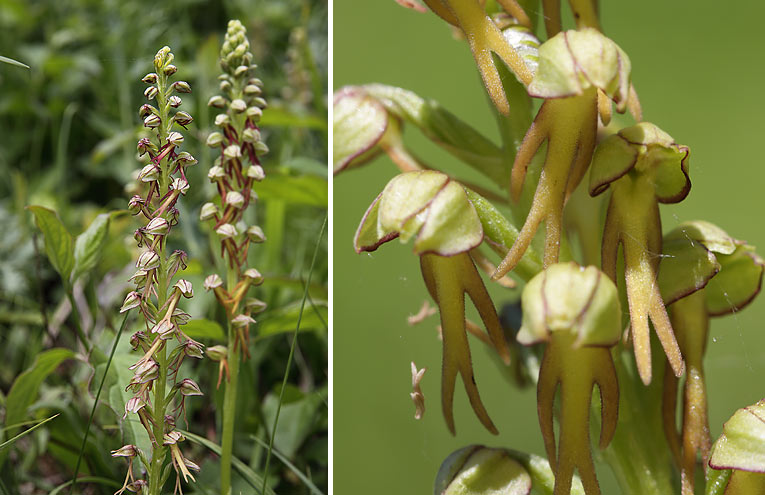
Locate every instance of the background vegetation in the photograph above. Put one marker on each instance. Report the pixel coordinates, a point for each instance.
(68, 131)
(698, 79)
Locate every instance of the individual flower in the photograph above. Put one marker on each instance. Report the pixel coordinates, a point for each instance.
(568, 78)
(705, 273)
(575, 311)
(643, 166)
(435, 211)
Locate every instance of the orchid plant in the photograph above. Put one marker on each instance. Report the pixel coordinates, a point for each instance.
(586, 315)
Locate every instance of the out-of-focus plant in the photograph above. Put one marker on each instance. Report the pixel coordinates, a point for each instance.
(577, 336)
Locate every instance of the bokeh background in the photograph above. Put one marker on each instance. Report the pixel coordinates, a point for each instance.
(698, 69)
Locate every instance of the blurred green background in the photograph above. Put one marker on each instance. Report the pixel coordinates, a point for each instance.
(698, 69)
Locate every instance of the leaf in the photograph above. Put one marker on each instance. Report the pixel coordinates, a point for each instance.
(302, 477)
(13, 62)
(85, 479)
(297, 419)
(253, 478)
(8, 443)
(203, 329)
(302, 190)
(281, 117)
(285, 319)
(59, 245)
(89, 245)
(24, 390)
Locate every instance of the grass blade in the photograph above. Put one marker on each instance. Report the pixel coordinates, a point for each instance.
(307, 482)
(292, 352)
(13, 62)
(8, 443)
(250, 476)
(95, 404)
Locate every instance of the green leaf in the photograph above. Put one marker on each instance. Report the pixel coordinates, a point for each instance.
(89, 245)
(281, 117)
(59, 245)
(253, 478)
(86, 479)
(24, 390)
(300, 190)
(13, 62)
(297, 418)
(8, 443)
(302, 477)
(203, 329)
(285, 319)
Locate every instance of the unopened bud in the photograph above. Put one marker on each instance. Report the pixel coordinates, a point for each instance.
(256, 172)
(254, 113)
(209, 211)
(151, 121)
(217, 352)
(186, 159)
(172, 438)
(260, 148)
(132, 300)
(238, 105)
(235, 199)
(193, 349)
(151, 92)
(146, 110)
(217, 101)
(255, 277)
(150, 78)
(182, 87)
(226, 231)
(175, 138)
(225, 86)
(251, 90)
(216, 173)
(170, 70)
(133, 405)
(157, 226)
(251, 135)
(222, 119)
(175, 101)
(259, 102)
(214, 139)
(183, 118)
(213, 282)
(135, 204)
(148, 260)
(255, 234)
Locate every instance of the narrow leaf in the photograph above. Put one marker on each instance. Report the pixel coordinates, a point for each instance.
(8, 443)
(59, 245)
(89, 245)
(302, 477)
(86, 479)
(13, 62)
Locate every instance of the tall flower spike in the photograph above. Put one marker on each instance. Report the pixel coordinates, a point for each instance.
(573, 66)
(643, 167)
(485, 39)
(705, 273)
(435, 210)
(575, 310)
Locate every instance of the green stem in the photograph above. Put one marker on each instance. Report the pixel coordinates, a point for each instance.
(77, 319)
(229, 398)
(158, 451)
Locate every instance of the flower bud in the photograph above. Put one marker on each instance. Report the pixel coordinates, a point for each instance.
(146, 110)
(213, 282)
(151, 92)
(150, 78)
(188, 387)
(132, 300)
(180, 184)
(148, 260)
(152, 121)
(181, 87)
(133, 405)
(176, 261)
(238, 105)
(217, 352)
(235, 199)
(185, 287)
(239, 51)
(251, 90)
(209, 211)
(217, 101)
(256, 172)
(175, 101)
(186, 159)
(135, 204)
(259, 102)
(241, 321)
(255, 82)
(232, 151)
(149, 173)
(144, 145)
(183, 118)
(260, 148)
(222, 119)
(139, 339)
(226, 231)
(254, 276)
(250, 135)
(254, 306)
(225, 86)
(569, 298)
(214, 139)
(255, 234)
(468, 471)
(175, 138)
(169, 70)
(125, 451)
(157, 226)
(254, 113)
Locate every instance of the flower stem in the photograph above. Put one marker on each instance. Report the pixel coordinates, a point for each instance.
(229, 400)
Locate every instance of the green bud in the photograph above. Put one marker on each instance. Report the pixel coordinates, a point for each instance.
(222, 119)
(217, 101)
(208, 212)
(214, 139)
(226, 231)
(232, 151)
(148, 260)
(256, 172)
(569, 298)
(151, 92)
(181, 87)
(189, 387)
(183, 118)
(261, 148)
(149, 173)
(157, 226)
(254, 113)
(150, 78)
(235, 199)
(175, 101)
(169, 70)
(175, 138)
(742, 443)
(252, 90)
(259, 102)
(250, 135)
(152, 121)
(255, 234)
(238, 105)
(216, 173)
(479, 470)
(241, 321)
